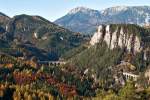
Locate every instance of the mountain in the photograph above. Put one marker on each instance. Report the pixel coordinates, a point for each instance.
(80, 19)
(86, 20)
(38, 33)
(113, 50)
(3, 20)
(113, 44)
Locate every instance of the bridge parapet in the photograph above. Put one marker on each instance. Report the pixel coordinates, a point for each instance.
(52, 63)
(130, 76)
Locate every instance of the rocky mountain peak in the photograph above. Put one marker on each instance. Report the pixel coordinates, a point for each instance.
(79, 9)
(114, 10)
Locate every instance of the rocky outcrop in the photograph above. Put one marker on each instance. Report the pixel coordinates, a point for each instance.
(117, 35)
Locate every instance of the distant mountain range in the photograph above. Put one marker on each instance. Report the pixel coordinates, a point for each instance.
(86, 20)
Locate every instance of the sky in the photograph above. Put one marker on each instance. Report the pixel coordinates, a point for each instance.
(54, 9)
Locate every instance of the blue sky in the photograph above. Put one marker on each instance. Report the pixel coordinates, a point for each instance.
(53, 9)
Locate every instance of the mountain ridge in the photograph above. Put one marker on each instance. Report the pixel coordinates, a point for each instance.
(37, 31)
(85, 20)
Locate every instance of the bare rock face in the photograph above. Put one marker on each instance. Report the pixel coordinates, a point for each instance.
(115, 36)
(97, 36)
